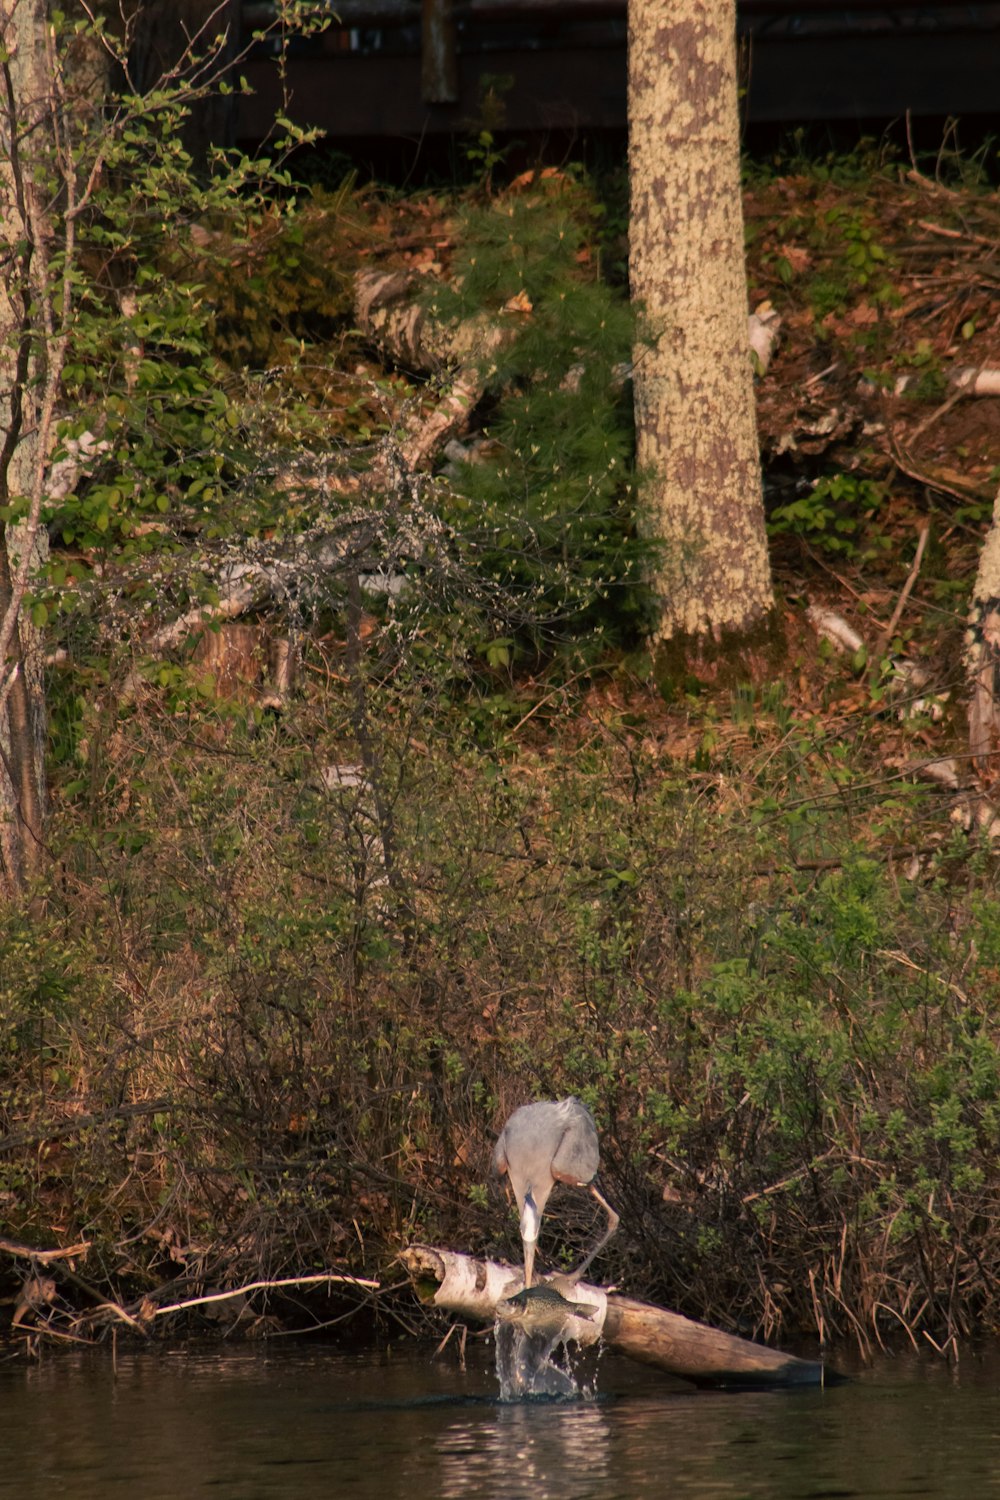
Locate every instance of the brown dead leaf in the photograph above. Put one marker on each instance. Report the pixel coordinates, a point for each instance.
(797, 256)
(147, 1311)
(520, 302)
(862, 316)
(37, 1292)
(529, 178)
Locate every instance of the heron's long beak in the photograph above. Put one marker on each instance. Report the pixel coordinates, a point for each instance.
(530, 1220)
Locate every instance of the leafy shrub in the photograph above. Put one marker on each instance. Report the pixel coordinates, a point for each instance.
(550, 509)
(833, 516)
(283, 281)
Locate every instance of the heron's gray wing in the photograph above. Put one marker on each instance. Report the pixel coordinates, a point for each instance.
(500, 1153)
(577, 1157)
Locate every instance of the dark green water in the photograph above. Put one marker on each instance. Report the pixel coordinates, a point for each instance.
(306, 1421)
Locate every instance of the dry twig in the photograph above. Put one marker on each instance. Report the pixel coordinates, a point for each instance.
(887, 634)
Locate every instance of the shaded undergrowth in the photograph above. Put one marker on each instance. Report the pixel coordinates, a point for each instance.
(242, 1043)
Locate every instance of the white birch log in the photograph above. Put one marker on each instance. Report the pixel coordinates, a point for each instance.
(471, 1288)
(834, 628)
(970, 380)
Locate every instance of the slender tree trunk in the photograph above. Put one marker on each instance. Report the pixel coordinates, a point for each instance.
(26, 104)
(695, 416)
(982, 658)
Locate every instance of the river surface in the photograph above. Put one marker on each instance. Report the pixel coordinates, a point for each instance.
(306, 1420)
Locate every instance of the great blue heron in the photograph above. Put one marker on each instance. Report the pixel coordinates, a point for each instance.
(540, 1145)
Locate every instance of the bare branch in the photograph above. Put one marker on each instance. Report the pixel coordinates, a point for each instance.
(327, 1278)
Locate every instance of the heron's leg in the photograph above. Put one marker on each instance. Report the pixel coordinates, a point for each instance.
(529, 1261)
(531, 1221)
(613, 1222)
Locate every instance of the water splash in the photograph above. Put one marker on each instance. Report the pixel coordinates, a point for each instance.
(528, 1365)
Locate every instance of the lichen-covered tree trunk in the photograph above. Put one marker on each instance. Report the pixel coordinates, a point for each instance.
(696, 424)
(26, 104)
(982, 657)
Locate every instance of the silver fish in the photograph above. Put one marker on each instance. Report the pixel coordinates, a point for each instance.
(541, 1311)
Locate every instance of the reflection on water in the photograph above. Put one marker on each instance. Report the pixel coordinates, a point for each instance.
(558, 1450)
(303, 1422)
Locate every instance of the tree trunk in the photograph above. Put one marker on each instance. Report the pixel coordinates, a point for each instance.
(982, 658)
(696, 424)
(26, 103)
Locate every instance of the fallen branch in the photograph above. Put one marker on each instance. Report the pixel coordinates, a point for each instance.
(264, 1286)
(423, 439)
(44, 1135)
(461, 356)
(388, 311)
(37, 1293)
(836, 862)
(40, 1292)
(678, 1345)
(903, 676)
(283, 571)
(247, 586)
(956, 234)
(109, 1309)
(44, 1257)
(779, 1187)
(982, 656)
(933, 475)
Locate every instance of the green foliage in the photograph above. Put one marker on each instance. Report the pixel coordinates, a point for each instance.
(931, 383)
(834, 517)
(864, 258)
(281, 282)
(799, 156)
(845, 257)
(157, 444)
(482, 151)
(552, 516)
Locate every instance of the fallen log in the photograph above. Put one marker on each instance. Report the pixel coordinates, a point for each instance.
(389, 312)
(964, 380)
(705, 1356)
